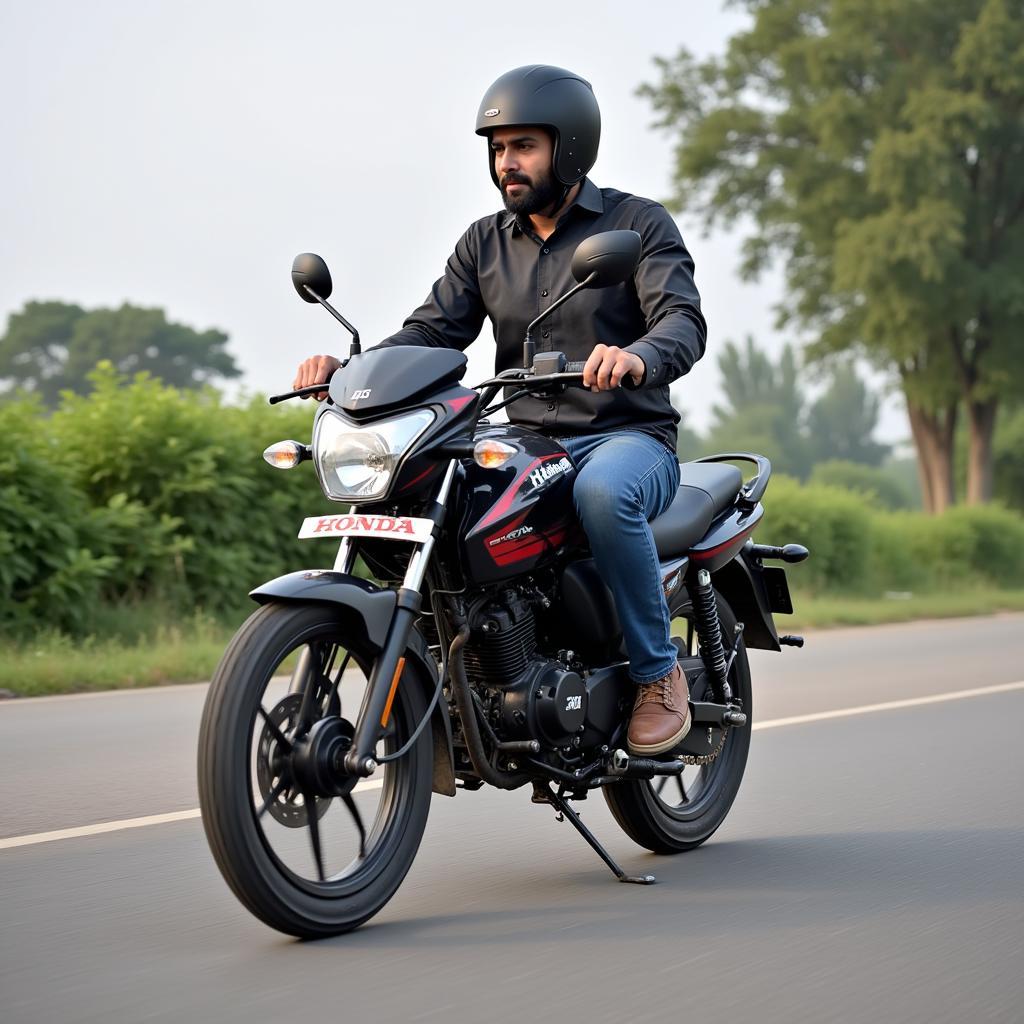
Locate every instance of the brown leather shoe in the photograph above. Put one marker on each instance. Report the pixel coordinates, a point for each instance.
(661, 715)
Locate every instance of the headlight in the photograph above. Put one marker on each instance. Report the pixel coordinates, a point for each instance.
(358, 463)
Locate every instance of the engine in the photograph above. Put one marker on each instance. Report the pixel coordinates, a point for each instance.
(530, 696)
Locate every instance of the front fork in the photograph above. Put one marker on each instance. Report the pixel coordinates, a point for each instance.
(387, 670)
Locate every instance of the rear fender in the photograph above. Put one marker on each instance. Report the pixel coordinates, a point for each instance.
(369, 609)
(741, 583)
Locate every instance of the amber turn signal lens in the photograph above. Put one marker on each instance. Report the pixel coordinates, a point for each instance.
(284, 454)
(492, 454)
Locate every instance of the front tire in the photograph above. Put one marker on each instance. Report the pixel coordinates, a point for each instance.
(242, 759)
(648, 811)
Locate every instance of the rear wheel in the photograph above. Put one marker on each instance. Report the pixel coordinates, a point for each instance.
(673, 814)
(307, 850)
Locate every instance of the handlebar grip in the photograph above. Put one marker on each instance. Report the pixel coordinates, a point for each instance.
(627, 381)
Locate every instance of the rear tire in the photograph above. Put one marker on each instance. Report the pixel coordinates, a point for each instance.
(641, 807)
(278, 894)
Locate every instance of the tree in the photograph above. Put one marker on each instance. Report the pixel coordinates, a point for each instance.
(763, 409)
(841, 422)
(35, 348)
(875, 146)
(50, 346)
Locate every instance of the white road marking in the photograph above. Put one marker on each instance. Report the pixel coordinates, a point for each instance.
(890, 705)
(773, 723)
(118, 826)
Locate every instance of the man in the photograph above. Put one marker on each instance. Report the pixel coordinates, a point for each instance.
(543, 125)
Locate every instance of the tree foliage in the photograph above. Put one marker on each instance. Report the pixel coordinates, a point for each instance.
(52, 346)
(766, 410)
(876, 147)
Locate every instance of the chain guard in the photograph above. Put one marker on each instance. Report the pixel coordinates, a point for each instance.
(288, 807)
(703, 743)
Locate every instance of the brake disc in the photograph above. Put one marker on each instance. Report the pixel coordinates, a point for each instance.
(272, 766)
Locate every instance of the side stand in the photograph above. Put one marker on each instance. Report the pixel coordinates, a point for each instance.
(561, 804)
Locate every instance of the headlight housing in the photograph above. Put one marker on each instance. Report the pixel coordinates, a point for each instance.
(359, 463)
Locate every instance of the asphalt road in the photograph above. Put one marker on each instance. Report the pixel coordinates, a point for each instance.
(872, 868)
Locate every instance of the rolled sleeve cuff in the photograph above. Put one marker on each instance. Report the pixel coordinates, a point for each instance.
(654, 373)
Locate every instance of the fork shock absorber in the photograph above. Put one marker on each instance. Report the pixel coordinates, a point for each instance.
(709, 633)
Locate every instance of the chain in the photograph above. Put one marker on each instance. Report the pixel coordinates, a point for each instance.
(705, 759)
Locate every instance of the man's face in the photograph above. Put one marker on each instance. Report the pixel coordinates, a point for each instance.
(522, 162)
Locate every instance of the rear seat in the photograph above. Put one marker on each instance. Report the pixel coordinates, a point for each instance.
(706, 489)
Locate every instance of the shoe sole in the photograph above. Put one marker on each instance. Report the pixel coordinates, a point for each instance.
(660, 748)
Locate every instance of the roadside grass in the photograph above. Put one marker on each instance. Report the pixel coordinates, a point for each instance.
(145, 647)
(819, 611)
(52, 663)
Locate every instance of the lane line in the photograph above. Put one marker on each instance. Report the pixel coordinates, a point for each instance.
(118, 826)
(773, 723)
(890, 705)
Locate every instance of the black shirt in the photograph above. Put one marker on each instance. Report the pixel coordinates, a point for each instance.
(504, 271)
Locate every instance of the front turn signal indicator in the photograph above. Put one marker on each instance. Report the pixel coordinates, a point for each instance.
(492, 454)
(285, 454)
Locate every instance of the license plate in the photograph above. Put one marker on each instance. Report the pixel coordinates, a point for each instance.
(377, 527)
(777, 587)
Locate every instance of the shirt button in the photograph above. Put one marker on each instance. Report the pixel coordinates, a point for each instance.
(544, 292)
(551, 407)
(545, 251)
(546, 334)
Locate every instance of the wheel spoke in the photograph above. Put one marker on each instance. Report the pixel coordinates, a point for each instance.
(285, 743)
(660, 784)
(281, 786)
(310, 689)
(332, 696)
(358, 819)
(309, 800)
(682, 788)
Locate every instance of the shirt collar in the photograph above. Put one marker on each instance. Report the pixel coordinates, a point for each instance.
(588, 198)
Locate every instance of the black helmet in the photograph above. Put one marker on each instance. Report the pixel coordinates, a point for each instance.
(551, 98)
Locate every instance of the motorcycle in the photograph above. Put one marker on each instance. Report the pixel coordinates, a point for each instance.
(488, 652)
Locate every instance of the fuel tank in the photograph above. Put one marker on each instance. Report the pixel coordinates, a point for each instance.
(520, 516)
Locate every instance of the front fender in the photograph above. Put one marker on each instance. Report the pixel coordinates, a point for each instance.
(374, 608)
(374, 605)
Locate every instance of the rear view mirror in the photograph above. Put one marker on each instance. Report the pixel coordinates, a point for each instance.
(606, 259)
(309, 269)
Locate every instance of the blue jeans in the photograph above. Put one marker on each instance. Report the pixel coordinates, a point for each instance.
(624, 480)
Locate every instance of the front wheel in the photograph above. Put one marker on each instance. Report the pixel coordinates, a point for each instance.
(306, 850)
(672, 814)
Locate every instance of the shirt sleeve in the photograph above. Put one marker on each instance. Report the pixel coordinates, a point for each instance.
(453, 313)
(676, 330)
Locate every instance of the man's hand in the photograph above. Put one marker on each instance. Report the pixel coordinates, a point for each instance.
(608, 364)
(315, 370)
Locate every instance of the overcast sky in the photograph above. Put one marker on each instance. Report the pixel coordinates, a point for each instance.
(179, 154)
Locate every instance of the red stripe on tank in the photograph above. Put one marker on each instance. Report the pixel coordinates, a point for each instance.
(506, 501)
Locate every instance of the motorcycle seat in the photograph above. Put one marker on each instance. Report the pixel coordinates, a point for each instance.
(706, 489)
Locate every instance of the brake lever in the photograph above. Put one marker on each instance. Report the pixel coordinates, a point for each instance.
(311, 389)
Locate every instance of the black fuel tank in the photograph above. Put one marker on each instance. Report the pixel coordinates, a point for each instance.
(521, 516)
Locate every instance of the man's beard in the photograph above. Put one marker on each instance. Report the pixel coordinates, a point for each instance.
(538, 195)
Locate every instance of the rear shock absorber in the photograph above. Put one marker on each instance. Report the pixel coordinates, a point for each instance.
(709, 633)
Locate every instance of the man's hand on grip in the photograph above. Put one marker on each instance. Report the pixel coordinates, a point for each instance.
(608, 364)
(315, 370)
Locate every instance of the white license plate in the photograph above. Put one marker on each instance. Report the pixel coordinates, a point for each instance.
(377, 527)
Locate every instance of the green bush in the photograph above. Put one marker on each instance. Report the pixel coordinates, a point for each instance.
(139, 500)
(859, 547)
(834, 524)
(871, 481)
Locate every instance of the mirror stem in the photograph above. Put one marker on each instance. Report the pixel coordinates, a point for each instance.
(355, 348)
(528, 346)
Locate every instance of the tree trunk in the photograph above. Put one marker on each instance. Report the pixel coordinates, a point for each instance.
(981, 425)
(933, 440)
